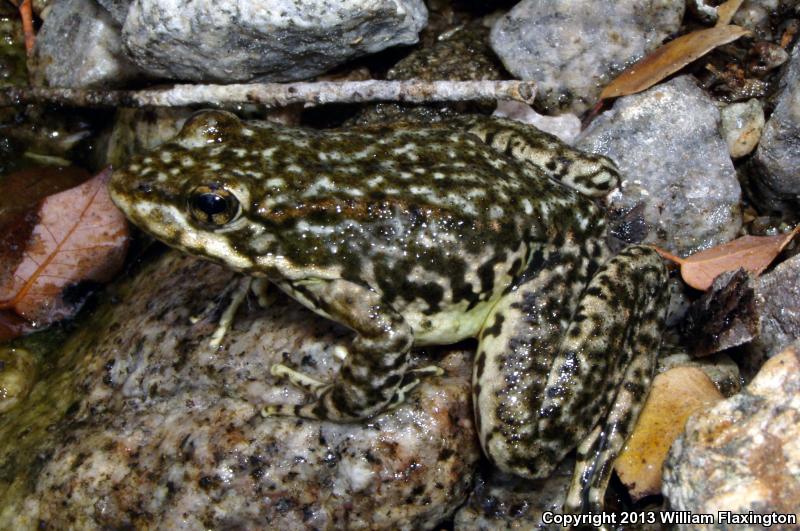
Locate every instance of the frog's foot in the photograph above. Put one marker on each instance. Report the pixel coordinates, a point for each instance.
(298, 379)
(410, 382)
(319, 389)
(598, 451)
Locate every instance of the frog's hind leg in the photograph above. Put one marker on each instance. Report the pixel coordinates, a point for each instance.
(547, 372)
(612, 344)
(517, 347)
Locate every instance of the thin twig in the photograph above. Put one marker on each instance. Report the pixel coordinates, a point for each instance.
(278, 94)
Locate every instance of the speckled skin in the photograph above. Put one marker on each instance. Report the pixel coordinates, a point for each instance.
(418, 235)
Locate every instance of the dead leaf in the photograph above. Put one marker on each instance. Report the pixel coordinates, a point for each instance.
(674, 396)
(12, 325)
(726, 11)
(78, 235)
(669, 58)
(23, 190)
(753, 253)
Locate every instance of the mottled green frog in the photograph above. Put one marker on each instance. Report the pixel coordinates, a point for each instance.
(415, 235)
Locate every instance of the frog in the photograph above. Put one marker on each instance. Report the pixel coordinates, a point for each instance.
(412, 235)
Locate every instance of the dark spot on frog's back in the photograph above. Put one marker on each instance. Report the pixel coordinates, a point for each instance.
(496, 327)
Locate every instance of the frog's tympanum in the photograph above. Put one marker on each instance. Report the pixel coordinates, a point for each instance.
(415, 235)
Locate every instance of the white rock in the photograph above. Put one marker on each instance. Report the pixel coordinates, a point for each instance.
(742, 124)
(275, 40)
(572, 48)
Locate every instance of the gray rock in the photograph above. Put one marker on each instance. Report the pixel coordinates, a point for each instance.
(275, 40)
(117, 8)
(743, 454)
(776, 166)
(78, 46)
(778, 300)
(755, 15)
(573, 48)
(742, 124)
(675, 165)
(140, 423)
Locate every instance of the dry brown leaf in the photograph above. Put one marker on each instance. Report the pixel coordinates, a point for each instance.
(669, 58)
(753, 253)
(675, 395)
(726, 11)
(79, 235)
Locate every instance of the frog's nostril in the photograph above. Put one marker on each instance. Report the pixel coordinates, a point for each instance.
(144, 188)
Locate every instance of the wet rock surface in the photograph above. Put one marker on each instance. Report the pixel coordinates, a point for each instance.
(762, 312)
(776, 167)
(502, 501)
(572, 49)
(744, 453)
(273, 41)
(79, 46)
(142, 424)
(675, 165)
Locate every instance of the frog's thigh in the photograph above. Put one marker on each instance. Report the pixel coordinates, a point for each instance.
(517, 345)
(610, 350)
(373, 370)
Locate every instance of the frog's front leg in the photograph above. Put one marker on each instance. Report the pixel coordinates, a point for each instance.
(372, 371)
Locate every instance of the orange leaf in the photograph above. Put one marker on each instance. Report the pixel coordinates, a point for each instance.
(79, 235)
(674, 396)
(669, 58)
(753, 253)
(26, 13)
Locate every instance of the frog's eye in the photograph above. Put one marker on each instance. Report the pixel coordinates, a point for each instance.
(213, 205)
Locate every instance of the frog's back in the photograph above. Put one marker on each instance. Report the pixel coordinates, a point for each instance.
(430, 216)
(397, 196)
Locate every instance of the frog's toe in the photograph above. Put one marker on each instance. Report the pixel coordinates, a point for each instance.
(410, 381)
(298, 379)
(428, 370)
(264, 292)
